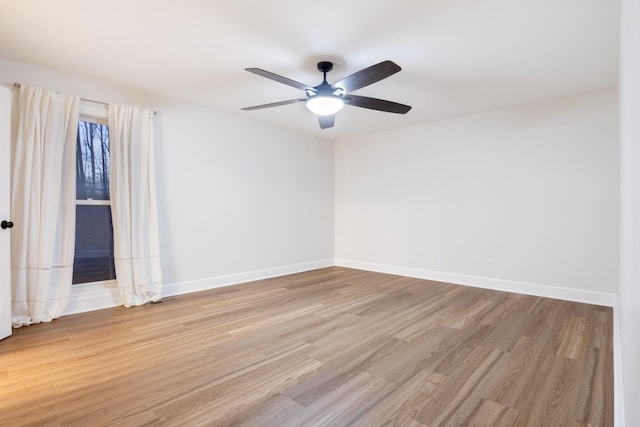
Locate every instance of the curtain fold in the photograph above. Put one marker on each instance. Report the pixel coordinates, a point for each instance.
(133, 205)
(43, 204)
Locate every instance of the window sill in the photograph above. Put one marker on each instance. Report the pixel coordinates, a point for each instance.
(110, 284)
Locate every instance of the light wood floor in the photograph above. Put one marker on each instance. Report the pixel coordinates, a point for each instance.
(331, 347)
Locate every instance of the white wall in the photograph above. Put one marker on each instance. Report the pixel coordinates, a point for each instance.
(629, 292)
(238, 200)
(519, 199)
(241, 196)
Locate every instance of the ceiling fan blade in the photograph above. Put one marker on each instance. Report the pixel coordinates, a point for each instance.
(326, 121)
(376, 104)
(278, 78)
(274, 104)
(368, 76)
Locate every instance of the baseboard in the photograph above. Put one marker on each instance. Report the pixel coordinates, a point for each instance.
(103, 295)
(186, 287)
(618, 390)
(97, 296)
(536, 289)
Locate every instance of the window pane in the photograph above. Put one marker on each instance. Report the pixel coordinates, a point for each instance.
(92, 161)
(94, 244)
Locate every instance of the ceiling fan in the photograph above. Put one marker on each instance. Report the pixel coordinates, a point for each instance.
(325, 100)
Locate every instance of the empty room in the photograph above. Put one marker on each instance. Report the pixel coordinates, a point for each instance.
(320, 213)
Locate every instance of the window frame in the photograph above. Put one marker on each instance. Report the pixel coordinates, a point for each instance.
(94, 112)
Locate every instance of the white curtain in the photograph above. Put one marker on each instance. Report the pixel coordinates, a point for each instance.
(43, 204)
(133, 205)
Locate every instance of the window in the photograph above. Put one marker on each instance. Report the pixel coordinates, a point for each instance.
(93, 260)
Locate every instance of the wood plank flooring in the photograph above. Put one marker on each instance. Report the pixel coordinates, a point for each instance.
(330, 347)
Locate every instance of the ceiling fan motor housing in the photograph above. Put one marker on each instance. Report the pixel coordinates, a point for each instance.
(325, 66)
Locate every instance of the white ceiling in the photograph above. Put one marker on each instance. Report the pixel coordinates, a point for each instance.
(458, 56)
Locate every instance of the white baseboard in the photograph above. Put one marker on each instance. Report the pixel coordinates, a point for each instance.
(104, 295)
(97, 296)
(536, 289)
(618, 390)
(234, 279)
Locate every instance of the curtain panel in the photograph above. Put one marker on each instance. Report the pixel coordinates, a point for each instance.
(43, 204)
(133, 205)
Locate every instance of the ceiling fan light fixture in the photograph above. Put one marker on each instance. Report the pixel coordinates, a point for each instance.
(323, 105)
